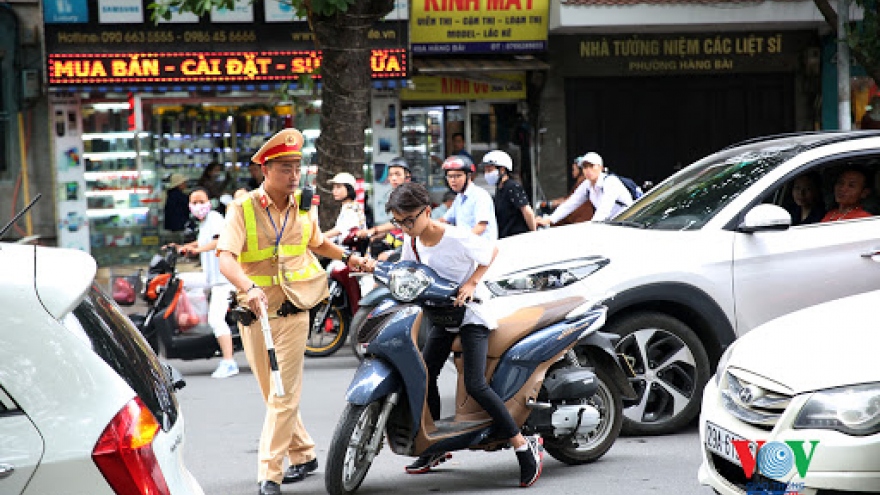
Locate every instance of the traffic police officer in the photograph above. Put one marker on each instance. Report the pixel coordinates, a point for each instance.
(264, 252)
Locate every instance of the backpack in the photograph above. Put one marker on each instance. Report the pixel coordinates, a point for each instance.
(634, 190)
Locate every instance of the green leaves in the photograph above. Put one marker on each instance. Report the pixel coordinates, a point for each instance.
(328, 8)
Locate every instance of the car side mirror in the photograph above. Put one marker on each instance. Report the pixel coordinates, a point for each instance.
(765, 217)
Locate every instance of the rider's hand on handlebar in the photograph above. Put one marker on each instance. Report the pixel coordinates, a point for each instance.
(465, 293)
(361, 264)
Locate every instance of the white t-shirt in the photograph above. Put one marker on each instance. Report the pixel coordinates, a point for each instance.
(210, 228)
(608, 195)
(455, 258)
(351, 216)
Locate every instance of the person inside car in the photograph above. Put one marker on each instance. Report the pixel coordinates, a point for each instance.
(850, 190)
(806, 191)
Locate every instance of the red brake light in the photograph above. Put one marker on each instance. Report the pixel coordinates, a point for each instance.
(124, 453)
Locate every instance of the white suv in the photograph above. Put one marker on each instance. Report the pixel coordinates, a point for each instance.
(85, 406)
(702, 258)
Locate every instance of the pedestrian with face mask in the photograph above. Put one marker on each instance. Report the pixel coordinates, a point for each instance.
(512, 209)
(210, 225)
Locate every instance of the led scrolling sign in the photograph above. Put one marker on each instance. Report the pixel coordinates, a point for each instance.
(177, 67)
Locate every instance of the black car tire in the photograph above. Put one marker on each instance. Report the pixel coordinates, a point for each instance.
(673, 380)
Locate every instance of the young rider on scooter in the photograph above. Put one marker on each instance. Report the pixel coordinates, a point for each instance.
(459, 255)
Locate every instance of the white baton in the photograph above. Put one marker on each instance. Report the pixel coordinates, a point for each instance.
(270, 348)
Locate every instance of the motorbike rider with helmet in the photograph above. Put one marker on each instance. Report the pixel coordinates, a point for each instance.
(473, 207)
(512, 209)
(351, 213)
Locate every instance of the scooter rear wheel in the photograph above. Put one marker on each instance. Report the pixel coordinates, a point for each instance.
(327, 331)
(347, 460)
(582, 450)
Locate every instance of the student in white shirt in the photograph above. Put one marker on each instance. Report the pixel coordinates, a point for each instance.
(351, 214)
(211, 223)
(459, 255)
(607, 193)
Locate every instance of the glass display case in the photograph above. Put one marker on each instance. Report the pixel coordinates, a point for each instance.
(422, 136)
(189, 137)
(122, 194)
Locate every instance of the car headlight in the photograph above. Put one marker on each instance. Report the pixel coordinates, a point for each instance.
(407, 283)
(722, 363)
(853, 410)
(547, 277)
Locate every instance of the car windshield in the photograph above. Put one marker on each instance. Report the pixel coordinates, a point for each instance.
(113, 337)
(690, 198)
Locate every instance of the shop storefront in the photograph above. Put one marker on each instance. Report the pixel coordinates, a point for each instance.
(651, 104)
(471, 80)
(487, 114)
(137, 103)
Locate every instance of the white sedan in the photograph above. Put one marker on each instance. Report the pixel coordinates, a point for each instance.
(85, 406)
(795, 405)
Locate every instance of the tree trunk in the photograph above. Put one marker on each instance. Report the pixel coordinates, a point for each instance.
(345, 95)
(868, 61)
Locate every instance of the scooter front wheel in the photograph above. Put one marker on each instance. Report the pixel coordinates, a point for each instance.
(348, 459)
(327, 331)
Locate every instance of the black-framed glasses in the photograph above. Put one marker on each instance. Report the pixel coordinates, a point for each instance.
(408, 222)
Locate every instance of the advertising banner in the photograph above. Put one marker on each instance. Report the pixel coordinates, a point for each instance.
(65, 11)
(120, 12)
(174, 67)
(443, 88)
(243, 12)
(70, 198)
(443, 27)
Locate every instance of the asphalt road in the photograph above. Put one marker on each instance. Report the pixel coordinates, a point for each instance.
(224, 419)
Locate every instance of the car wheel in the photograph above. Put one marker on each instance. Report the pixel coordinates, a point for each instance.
(671, 368)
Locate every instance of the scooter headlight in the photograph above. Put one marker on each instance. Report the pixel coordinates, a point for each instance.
(547, 277)
(408, 283)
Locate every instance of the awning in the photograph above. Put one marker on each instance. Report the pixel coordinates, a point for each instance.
(478, 69)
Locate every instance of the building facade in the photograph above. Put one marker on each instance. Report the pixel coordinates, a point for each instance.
(653, 86)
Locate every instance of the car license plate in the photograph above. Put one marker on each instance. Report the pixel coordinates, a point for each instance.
(720, 441)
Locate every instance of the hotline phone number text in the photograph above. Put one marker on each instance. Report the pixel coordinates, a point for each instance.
(219, 36)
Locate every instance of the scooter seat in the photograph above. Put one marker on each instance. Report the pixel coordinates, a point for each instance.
(524, 321)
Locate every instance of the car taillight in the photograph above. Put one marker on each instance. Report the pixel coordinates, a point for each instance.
(124, 453)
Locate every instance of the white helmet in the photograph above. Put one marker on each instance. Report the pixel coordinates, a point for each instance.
(498, 158)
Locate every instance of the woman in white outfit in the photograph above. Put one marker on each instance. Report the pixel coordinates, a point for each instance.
(211, 223)
(351, 214)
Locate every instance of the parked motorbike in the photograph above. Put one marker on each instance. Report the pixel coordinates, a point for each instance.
(530, 363)
(330, 320)
(171, 335)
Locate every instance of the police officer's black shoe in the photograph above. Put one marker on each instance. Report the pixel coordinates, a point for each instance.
(298, 472)
(269, 488)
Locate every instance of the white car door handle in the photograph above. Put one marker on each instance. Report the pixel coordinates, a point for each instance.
(6, 470)
(871, 253)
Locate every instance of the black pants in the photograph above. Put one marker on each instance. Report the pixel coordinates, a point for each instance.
(475, 344)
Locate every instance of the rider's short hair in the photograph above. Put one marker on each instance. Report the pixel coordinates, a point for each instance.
(408, 197)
